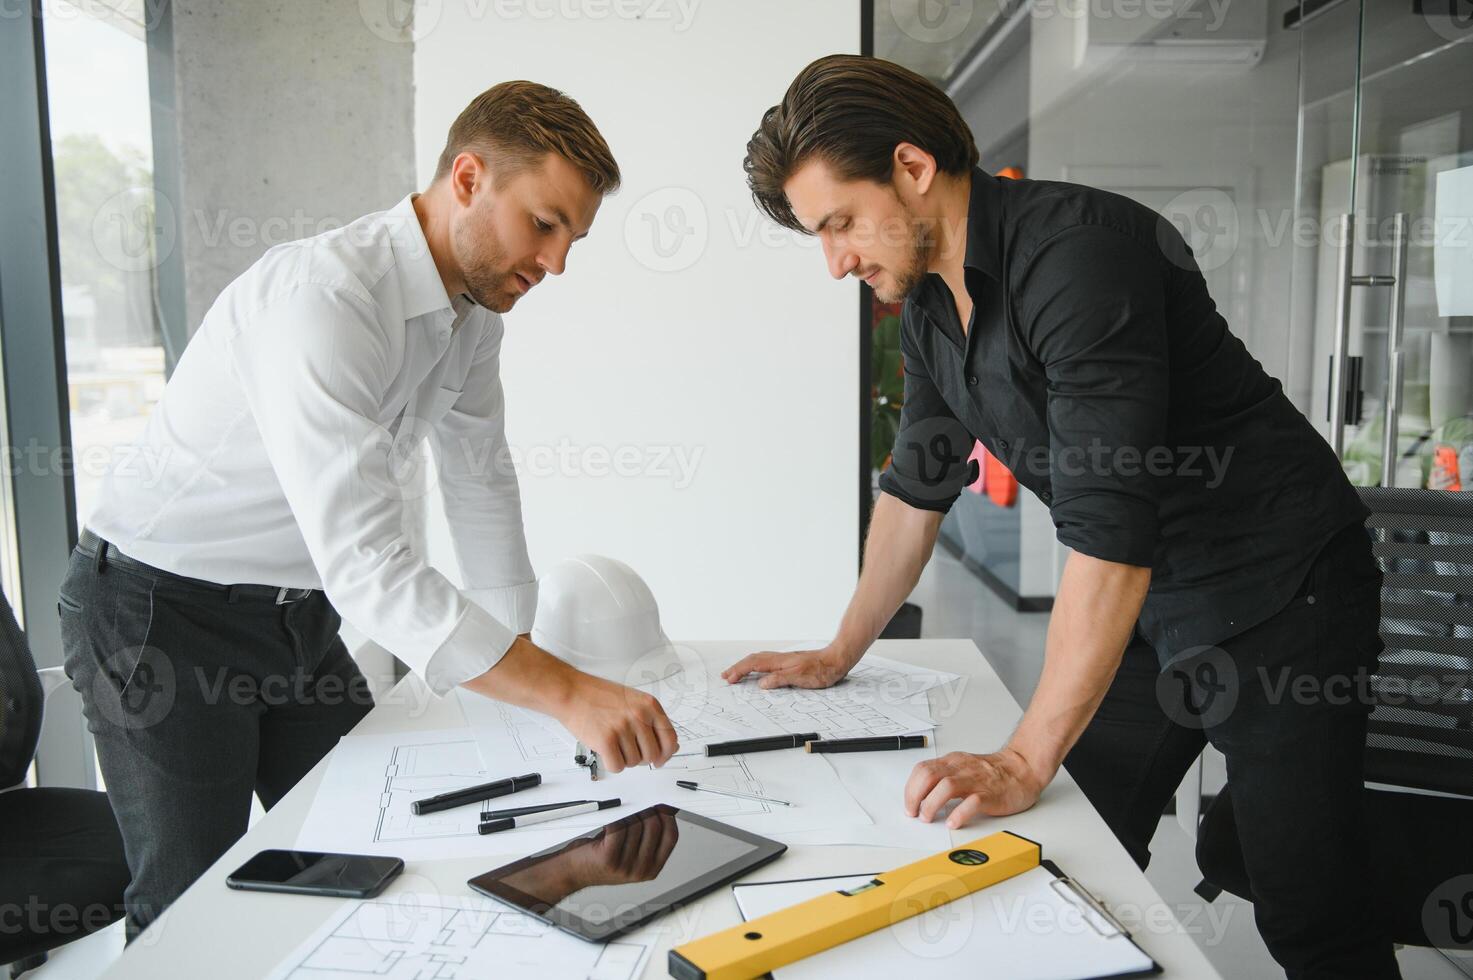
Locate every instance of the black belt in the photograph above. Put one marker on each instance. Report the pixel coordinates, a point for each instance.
(103, 552)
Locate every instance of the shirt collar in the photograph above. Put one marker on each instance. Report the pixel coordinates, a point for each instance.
(984, 229)
(419, 280)
(984, 224)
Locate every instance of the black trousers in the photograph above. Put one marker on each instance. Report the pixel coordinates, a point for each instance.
(1284, 701)
(198, 696)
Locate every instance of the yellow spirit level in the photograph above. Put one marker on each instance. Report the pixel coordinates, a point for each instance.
(753, 948)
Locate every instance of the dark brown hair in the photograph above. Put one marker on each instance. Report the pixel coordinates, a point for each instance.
(851, 112)
(516, 123)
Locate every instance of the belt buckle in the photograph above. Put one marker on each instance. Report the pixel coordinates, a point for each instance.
(285, 595)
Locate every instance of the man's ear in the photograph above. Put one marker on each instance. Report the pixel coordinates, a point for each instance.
(467, 171)
(915, 167)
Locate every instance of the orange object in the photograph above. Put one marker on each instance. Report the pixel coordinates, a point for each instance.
(1011, 173)
(1002, 486)
(1445, 460)
(993, 478)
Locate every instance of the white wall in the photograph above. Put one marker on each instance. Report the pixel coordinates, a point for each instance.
(728, 347)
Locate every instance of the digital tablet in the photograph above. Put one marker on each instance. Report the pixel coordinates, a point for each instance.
(618, 877)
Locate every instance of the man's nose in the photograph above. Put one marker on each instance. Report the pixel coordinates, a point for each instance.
(554, 259)
(841, 261)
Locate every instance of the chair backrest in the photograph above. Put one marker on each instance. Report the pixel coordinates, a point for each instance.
(1421, 729)
(21, 700)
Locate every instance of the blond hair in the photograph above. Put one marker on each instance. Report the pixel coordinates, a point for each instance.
(516, 123)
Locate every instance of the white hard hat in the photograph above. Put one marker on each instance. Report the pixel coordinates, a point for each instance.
(597, 614)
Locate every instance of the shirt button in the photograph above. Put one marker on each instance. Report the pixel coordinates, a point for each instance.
(1045, 496)
(971, 381)
(1002, 444)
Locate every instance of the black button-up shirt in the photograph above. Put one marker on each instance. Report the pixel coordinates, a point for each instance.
(1097, 368)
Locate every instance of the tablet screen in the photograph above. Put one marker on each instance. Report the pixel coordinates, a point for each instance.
(628, 871)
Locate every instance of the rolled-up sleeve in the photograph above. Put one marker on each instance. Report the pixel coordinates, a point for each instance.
(930, 461)
(1092, 310)
(313, 366)
(483, 502)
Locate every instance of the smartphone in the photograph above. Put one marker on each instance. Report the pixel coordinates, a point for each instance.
(314, 873)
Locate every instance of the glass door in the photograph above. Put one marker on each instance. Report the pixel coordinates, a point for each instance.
(1384, 235)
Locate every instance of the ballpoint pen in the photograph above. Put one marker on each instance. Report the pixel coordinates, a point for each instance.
(518, 811)
(882, 743)
(766, 743)
(511, 823)
(692, 784)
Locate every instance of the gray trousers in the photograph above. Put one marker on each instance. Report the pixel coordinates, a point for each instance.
(198, 695)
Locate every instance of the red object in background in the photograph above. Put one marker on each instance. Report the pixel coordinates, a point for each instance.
(1002, 486)
(993, 478)
(1011, 173)
(1445, 465)
(979, 456)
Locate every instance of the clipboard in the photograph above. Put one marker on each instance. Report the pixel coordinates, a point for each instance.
(1039, 925)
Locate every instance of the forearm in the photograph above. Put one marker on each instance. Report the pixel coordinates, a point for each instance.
(899, 544)
(529, 677)
(1094, 613)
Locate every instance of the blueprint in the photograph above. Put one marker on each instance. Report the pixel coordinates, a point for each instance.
(433, 937)
(879, 697)
(363, 803)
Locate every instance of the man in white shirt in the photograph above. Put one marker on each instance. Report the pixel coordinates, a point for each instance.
(200, 613)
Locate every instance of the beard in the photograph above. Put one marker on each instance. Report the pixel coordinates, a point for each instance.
(913, 271)
(482, 260)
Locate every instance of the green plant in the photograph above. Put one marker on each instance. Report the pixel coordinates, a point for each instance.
(887, 392)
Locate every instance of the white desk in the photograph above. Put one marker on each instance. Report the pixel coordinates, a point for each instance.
(215, 932)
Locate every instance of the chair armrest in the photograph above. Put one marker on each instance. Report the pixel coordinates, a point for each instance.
(51, 679)
(1189, 800)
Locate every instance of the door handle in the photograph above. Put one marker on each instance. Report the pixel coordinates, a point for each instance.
(1345, 280)
(1342, 335)
(1394, 334)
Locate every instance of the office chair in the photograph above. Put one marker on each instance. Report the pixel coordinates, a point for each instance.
(1423, 540)
(60, 848)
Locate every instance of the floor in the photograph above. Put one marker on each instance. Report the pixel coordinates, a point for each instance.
(956, 604)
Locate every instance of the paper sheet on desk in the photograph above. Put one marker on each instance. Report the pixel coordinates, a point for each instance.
(877, 780)
(877, 698)
(413, 936)
(363, 802)
(1024, 928)
(885, 679)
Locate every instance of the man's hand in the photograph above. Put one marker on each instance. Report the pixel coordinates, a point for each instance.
(624, 726)
(802, 668)
(995, 785)
(899, 544)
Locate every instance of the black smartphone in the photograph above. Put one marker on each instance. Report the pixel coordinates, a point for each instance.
(314, 873)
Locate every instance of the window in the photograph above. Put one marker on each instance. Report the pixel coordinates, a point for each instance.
(97, 80)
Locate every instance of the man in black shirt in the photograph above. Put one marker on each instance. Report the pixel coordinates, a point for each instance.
(1214, 536)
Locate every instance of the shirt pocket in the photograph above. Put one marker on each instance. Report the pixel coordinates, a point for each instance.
(418, 421)
(441, 401)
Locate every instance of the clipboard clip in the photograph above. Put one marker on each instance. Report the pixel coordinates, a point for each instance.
(1066, 885)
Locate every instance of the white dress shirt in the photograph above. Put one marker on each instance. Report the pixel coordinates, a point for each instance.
(277, 454)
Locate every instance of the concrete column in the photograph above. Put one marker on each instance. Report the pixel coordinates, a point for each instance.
(289, 118)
